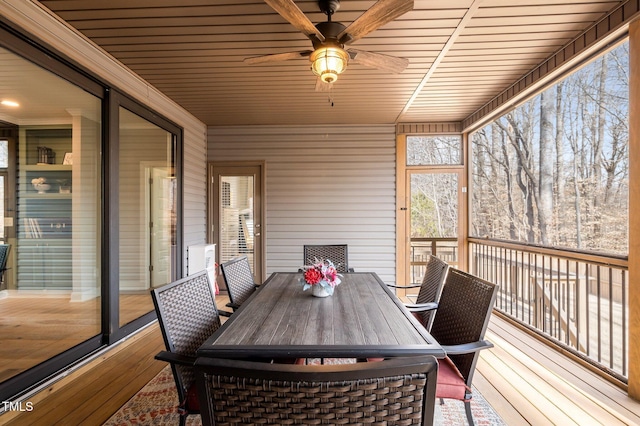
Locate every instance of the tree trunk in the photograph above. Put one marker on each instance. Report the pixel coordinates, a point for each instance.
(546, 161)
(559, 173)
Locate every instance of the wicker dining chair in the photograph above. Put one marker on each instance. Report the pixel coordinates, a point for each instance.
(336, 253)
(429, 293)
(4, 256)
(239, 280)
(398, 391)
(187, 316)
(459, 325)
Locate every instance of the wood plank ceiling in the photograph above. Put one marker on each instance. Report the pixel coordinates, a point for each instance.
(462, 53)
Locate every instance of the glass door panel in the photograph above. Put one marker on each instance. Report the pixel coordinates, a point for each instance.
(433, 220)
(237, 215)
(236, 218)
(147, 213)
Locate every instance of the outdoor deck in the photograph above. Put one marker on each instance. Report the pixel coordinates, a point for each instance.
(528, 382)
(525, 381)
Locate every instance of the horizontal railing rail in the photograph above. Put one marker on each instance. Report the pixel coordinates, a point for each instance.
(444, 248)
(578, 301)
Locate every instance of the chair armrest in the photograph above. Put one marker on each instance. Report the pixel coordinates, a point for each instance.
(467, 348)
(174, 358)
(233, 306)
(421, 307)
(414, 285)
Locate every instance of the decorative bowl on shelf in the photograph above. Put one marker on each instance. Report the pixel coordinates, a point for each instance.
(42, 188)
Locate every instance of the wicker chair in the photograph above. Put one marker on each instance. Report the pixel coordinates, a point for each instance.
(430, 289)
(337, 253)
(4, 256)
(397, 391)
(239, 279)
(459, 325)
(188, 316)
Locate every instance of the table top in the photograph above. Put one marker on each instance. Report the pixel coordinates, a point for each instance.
(363, 319)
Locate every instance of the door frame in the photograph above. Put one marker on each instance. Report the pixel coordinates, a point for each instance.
(241, 168)
(147, 172)
(403, 204)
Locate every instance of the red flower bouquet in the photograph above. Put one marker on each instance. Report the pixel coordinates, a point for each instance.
(323, 274)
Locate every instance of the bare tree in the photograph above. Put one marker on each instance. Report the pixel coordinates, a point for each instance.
(546, 163)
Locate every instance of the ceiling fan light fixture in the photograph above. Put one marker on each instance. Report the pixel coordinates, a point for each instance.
(329, 61)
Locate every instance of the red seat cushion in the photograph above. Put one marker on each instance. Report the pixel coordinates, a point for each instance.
(450, 382)
(418, 316)
(191, 403)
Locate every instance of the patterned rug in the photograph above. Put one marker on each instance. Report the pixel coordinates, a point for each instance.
(155, 404)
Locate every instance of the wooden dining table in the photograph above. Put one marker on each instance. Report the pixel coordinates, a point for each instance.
(362, 319)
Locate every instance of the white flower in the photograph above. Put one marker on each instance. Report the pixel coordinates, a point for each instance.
(38, 181)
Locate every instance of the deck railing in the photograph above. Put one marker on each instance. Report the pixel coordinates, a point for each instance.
(578, 301)
(445, 248)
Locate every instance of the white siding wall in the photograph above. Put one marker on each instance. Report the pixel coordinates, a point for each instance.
(324, 185)
(38, 21)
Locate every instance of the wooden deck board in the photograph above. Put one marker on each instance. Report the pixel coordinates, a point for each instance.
(598, 390)
(545, 386)
(502, 406)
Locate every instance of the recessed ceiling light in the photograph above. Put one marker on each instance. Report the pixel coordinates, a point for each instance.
(10, 103)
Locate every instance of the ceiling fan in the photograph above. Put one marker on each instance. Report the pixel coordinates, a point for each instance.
(329, 56)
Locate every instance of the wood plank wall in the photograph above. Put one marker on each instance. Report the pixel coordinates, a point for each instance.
(325, 184)
(602, 34)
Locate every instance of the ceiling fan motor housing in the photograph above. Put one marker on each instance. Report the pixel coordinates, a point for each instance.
(329, 57)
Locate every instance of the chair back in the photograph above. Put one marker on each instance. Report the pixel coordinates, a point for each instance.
(395, 391)
(431, 287)
(336, 253)
(239, 279)
(463, 316)
(187, 316)
(4, 255)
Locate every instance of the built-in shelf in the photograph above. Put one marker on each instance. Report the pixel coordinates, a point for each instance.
(44, 225)
(48, 195)
(46, 167)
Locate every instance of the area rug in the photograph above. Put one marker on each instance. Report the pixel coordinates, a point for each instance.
(155, 404)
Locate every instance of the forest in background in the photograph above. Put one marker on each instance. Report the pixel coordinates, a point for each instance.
(555, 170)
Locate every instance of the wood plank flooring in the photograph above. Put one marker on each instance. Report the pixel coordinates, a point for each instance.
(35, 328)
(91, 394)
(526, 382)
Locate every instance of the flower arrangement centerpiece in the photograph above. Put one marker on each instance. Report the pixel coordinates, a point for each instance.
(40, 184)
(321, 278)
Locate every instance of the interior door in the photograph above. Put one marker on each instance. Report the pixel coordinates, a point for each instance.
(236, 213)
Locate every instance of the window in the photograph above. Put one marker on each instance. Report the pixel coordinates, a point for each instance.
(434, 150)
(554, 171)
(51, 297)
(57, 306)
(147, 212)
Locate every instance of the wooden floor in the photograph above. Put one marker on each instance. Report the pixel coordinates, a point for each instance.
(528, 382)
(525, 381)
(35, 328)
(91, 394)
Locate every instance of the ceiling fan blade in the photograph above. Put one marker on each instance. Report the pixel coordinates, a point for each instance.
(382, 12)
(321, 86)
(292, 13)
(380, 61)
(277, 57)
